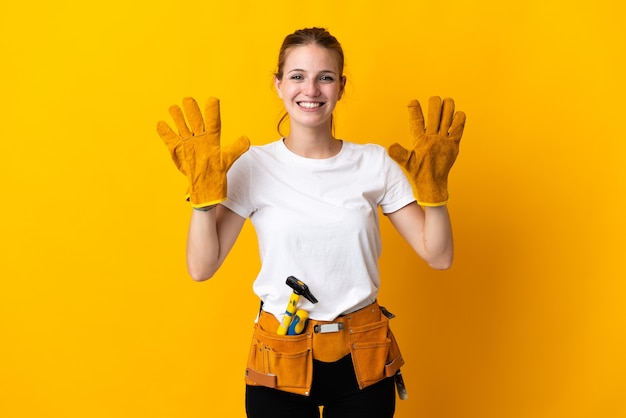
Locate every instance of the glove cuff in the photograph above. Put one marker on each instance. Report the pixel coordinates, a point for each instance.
(197, 201)
(430, 204)
(209, 194)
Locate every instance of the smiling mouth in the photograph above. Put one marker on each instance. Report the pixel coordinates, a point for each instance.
(310, 105)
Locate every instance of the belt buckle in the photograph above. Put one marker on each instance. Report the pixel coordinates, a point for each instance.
(327, 328)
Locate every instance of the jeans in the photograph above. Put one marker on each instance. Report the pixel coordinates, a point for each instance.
(335, 388)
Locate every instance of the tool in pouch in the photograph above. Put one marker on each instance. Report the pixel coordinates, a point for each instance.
(294, 321)
(400, 386)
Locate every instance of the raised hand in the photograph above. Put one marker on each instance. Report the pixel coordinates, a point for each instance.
(434, 149)
(197, 152)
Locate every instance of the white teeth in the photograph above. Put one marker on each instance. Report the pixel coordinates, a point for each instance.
(310, 105)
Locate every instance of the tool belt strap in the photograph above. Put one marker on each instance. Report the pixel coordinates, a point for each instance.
(267, 380)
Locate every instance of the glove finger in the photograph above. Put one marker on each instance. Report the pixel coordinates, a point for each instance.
(458, 125)
(399, 154)
(171, 140)
(167, 134)
(194, 116)
(416, 120)
(231, 152)
(179, 120)
(434, 115)
(447, 114)
(213, 121)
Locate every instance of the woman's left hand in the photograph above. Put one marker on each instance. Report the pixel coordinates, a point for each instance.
(434, 151)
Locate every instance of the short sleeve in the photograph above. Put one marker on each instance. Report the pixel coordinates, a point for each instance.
(398, 188)
(238, 187)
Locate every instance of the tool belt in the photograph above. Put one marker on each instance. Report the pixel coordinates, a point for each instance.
(286, 362)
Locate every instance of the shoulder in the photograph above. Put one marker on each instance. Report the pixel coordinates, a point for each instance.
(365, 148)
(369, 151)
(263, 148)
(258, 153)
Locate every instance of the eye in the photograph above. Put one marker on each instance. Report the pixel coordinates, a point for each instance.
(327, 78)
(296, 77)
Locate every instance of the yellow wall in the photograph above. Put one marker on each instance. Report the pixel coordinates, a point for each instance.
(97, 315)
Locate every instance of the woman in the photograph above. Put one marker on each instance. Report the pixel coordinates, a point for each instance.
(313, 200)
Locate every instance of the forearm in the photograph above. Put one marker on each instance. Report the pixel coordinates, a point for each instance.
(428, 231)
(212, 235)
(438, 245)
(202, 245)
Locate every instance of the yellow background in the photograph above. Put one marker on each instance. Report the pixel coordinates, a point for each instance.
(97, 315)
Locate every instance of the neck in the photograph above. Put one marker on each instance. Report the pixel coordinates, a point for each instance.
(312, 143)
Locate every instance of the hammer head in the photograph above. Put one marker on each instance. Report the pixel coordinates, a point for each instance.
(300, 288)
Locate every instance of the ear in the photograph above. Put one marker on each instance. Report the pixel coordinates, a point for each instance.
(277, 84)
(342, 87)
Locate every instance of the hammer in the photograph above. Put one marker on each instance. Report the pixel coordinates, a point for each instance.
(298, 317)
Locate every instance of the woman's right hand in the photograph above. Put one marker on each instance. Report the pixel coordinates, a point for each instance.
(197, 152)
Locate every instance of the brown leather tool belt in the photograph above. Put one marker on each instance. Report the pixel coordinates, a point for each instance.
(286, 362)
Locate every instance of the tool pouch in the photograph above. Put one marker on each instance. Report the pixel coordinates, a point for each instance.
(286, 362)
(375, 352)
(280, 362)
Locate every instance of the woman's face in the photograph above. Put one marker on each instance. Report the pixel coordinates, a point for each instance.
(311, 85)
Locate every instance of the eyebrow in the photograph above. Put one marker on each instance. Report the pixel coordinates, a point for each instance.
(304, 71)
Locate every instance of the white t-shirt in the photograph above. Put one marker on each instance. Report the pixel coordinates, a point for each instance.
(317, 220)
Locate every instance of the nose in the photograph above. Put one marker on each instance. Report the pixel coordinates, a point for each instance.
(311, 88)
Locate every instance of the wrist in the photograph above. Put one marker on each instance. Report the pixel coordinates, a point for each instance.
(205, 208)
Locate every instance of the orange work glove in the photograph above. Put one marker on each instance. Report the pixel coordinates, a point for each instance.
(197, 152)
(435, 148)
